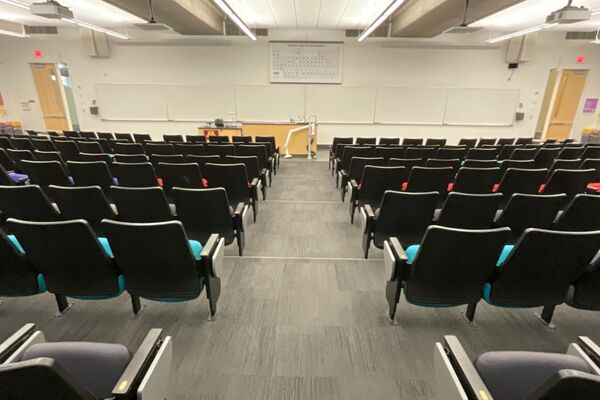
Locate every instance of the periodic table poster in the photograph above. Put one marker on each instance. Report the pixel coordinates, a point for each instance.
(306, 62)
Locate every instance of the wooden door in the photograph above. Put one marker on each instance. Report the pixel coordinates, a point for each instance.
(47, 83)
(566, 104)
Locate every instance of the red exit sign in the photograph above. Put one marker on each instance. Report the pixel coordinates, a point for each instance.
(38, 53)
(580, 59)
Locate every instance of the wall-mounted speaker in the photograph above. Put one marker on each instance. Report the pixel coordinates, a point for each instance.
(95, 44)
(521, 49)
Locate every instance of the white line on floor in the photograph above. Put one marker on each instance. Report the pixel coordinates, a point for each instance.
(304, 258)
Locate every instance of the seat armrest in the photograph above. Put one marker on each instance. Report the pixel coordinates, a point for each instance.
(238, 216)
(131, 377)
(465, 370)
(566, 382)
(591, 349)
(212, 254)
(15, 341)
(394, 258)
(239, 209)
(354, 184)
(369, 212)
(255, 182)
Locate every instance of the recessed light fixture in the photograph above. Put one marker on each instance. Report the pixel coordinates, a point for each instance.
(234, 17)
(380, 20)
(520, 33)
(95, 28)
(16, 3)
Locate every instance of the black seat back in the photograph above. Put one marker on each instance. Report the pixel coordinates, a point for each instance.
(339, 140)
(408, 163)
(17, 275)
(435, 142)
(173, 138)
(203, 160)
(88, 203)
(104, 157)
(354, 151)
(88, 134)
(412, 142)
(529, 211)
(156, 259)
(570, 182)
(155, 159)
(28, 203)
(135, 175)
(95, 173)
(520, 164)
(218, 139)
(159, 148)
(451, 153)
(6, 161)
(505, 141)
(45, 173)
(358, 164)
(69, 255)
(365, 140)
(127, 148)
(131, 158)
(443, 273)
(390, 152)
(233, 178)
(221, 150)
(592, 163)
(546, 156)
(204, 212)
(469, 211)
(182, 175)
(517, 180)
(141, 137)
(190, 149)
(542, 266)
(124, 137)
(423, 179)
(571, 153)
(468, 143)
(22, 143)
(90, 147)
(18, 156)
(591, 152)
(524, 154)
(377, 180)
(48, 156)
(241, 139)
(441, 162)
(68, 149)
(564, 164)
(43, 144)
(389, 141)
(478, 153)
(470, 163)
(148, 204)
(524, 141)
(405, 216)
(507, 151)
(106, 135)
(251, 163)
(582, 214)
(476, 180)
(423, 153)
(195, 139)
(486, 141)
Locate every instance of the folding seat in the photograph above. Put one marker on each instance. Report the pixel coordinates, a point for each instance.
(46, 173)
(524, 141)
(435, 142)
(563, 164)
(524, 154)
(11, 178)
(545, 157)
(48, 156)
(389, 152)
(549, 141)
(22, 143)
(5, 161)
(184, 175)
(68, 149)
(18, 156)
(142, 137)
(403, 215)
(148, 204)
(363, 140)
(470, 163)
(135, 174)
(155, 159)
(485, 141)
(158, 148)
(43, 145)
(203, 160)
(190, 149)
(204, 212)
(52, 133)
(510, 375)
(92, 173)
(591, 152)
(90, 147)
(106, 135)
(88, 135)
(253, 171)
(478, 153)
(234, 179)
(525, 211)
(540, 269)
(423, 179)
(569, 182)
(128, 148)
(161, 264)
(469, 211)
(261, 152)
(336, 154)
(272, 156)
(412, 142)
(131, 158)
(374, 183)
(275, 151)
(219, 139)
(71, 258)
(343, 164)
(124, 137)
(104, 157)
(476, 180)
(505, 141)
(17, 276)
(195, 139)
(31, 132)
(408, 163)
(526, 181)
(173, 138)
(5, 143)
(221, 150)
(519, 164)
(71, 134)
(83, 202)
(507, 150)
(394, 141)
(355, 172)
(438, 272)
(451, 153)
(468, 143)
(36, 369)
(27, 202)
(571, 153)
(590, 163)
(438, 163)
(424, 153)
(582, 214)
(241, 139)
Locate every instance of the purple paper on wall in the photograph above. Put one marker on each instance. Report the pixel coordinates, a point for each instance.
(590, 105)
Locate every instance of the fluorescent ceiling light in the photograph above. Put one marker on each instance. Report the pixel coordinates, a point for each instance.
(11, 33)
(233, 16)
(95, 28)
(520, 33)
(380, 20)
(596, 12)
(16, 3)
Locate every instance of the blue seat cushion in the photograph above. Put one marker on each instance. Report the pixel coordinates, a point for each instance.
(121, 289)
(18, 178)
(16, 243)
(504, 254)
(195, 246)
(411, 253)
(115, 181)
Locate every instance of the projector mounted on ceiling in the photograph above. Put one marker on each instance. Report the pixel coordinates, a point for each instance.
(569, 15)
(152, 25)
(50, 9)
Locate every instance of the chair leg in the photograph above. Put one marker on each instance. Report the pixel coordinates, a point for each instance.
(136, 304)
(470, 314)
(366, 244)
(352, 211)
(547, 314)
(254, 211)
(213, 291)
(393, 290)
(240, 242)
(344, 189)
(264, 192)
(62, 303)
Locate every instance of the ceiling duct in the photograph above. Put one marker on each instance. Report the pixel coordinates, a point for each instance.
(580, 35)
(40, 30)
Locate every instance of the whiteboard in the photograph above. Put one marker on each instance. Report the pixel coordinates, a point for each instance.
(341, 104)
(274, 103)
(306, 62)
(199, 103)
(410, 106)
(132, 102)
(491, 107)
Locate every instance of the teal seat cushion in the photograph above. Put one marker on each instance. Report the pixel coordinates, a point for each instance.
(411, 253)
(179, 299)
(121, 283)
(106, 246)
(41, 283)
(504, 254)
(194, 245)
(14, 241)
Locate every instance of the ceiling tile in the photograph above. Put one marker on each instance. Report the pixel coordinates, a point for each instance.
(285, 12)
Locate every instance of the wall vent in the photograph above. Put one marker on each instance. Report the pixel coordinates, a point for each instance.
(382, 31)
(580, 35)
(231, 29)
(40, 30)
